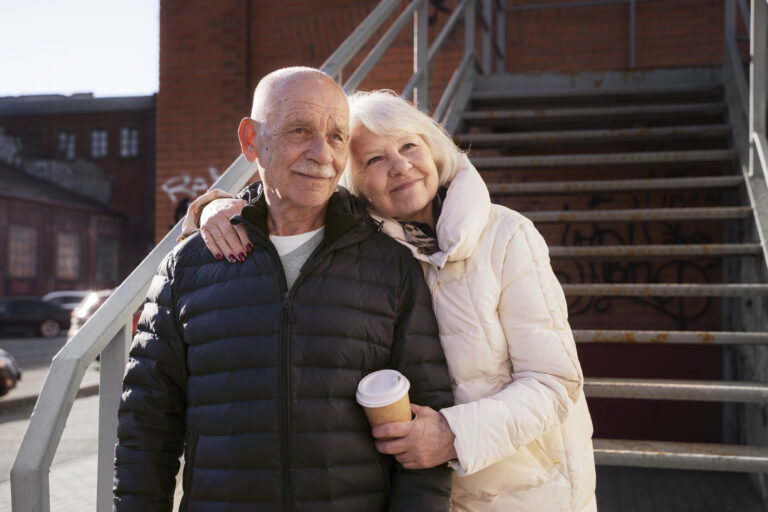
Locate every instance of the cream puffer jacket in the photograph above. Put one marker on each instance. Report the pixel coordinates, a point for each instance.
(523, 430)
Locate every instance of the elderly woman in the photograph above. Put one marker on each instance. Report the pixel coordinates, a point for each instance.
(519, 437)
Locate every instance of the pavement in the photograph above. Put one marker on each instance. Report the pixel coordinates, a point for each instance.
(73, 470)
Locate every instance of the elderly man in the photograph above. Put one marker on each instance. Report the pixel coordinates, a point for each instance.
(251, 369)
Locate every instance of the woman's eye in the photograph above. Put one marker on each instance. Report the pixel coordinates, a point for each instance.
(408, 145)
(373, 160)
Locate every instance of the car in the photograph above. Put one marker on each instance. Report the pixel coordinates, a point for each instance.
(85, 309)
(10, 373)
(67, 299)
(22, 313)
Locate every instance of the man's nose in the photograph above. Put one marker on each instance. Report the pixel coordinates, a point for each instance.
(320, 151)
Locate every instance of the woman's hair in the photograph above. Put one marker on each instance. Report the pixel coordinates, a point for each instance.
(383, 112)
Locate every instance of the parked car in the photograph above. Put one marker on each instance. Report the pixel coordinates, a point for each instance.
(88, 307)
(10, 373)
(32, 313)
(67, 299)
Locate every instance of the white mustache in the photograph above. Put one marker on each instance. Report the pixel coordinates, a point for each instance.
(313, 169)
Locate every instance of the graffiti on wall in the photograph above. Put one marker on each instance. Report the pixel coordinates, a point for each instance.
(683, 312)
(185, 186)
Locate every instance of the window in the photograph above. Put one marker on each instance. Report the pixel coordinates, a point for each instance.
(33, 144)
(106, 260)
(129, 142)
(98, 143)
(67, 144)
(67, 256)
(22, 251)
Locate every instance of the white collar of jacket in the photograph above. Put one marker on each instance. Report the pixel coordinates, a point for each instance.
(464, 216)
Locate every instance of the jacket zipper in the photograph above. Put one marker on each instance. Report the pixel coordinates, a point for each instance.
(192, 439)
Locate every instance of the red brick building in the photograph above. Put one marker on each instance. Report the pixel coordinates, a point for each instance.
(94, 162)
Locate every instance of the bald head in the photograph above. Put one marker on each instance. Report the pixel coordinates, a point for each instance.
(265, 97)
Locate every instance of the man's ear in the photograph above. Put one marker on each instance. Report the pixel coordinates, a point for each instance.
(247, 135)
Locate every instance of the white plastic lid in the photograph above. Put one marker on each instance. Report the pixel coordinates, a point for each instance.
(381, 388)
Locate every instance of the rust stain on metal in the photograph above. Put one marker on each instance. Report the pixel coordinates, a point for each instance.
(705, 337)
(660, 338)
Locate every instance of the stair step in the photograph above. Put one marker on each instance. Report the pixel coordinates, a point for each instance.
(708, 91)
(576, 187)
(665, 389)
(592, 113)
(645, 214)
(615, 135)
(665, 290)
(676, 455)
(683, 337)
(645, 157)
(654, 251)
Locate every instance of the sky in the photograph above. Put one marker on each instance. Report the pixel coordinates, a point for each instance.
(106, 47)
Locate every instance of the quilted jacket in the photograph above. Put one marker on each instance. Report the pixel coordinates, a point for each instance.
(523, 431)
(255, 383)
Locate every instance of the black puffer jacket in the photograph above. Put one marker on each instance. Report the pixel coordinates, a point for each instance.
(260, 381)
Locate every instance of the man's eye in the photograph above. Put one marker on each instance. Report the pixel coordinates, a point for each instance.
(299, 130)
(337, 137)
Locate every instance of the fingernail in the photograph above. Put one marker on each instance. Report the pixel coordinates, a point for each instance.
(241, 256)
(232, 258)
(249, 247)
(219, 256)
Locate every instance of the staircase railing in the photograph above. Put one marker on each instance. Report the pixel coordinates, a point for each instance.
(109, 330)
(751, 95)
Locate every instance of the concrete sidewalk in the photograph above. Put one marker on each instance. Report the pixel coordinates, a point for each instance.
(28, 388)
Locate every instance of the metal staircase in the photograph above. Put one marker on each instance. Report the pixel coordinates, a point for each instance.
(542, 145)
(648, 144)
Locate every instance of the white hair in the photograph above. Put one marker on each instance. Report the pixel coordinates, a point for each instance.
(262, 95)
(385, 113)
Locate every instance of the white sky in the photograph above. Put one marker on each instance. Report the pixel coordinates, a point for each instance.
(107, 47)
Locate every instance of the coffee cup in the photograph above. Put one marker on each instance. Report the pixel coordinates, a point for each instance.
(384, 397)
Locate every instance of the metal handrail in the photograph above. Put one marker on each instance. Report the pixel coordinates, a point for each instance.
(109, 330)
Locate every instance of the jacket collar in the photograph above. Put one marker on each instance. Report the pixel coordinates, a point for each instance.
(344, 214)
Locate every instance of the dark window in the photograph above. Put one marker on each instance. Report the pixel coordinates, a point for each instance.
(98, 143)
(33, 144)
(22, 251)
(106, 260)
(67, 144)
(68, 256)
(129, 142)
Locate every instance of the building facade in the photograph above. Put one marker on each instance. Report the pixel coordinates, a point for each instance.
(95, 158)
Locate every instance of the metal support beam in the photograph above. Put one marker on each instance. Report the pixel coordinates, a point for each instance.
(669, 389)
(644, 252)
(671, 337)
(469, 29)
(632, 33)
(487, 35)
(420, 62)
(113, 360)
(757, 83)
(501, 37)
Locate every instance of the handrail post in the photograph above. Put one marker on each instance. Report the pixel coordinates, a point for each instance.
(112, 364)
(469, 29)
(632, 19)
(757, 79)
(730, 24)
(501, 17)
(487, 26)
(420, 50)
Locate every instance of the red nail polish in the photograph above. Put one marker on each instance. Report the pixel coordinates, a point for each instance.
(219, 256)
(232, 258)
(241, 256)
(249, 248)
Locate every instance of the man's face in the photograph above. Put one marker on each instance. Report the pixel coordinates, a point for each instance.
(302, 148)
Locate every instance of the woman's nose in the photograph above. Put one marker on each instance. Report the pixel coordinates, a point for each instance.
(399, 163)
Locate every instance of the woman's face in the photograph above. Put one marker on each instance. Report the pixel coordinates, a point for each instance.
(395, 173)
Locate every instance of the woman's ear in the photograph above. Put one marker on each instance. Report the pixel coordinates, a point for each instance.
(247, 135)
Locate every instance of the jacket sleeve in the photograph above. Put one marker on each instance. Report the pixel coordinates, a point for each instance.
(546, 374)
(195, 209)
(151, 415)
(418, 355)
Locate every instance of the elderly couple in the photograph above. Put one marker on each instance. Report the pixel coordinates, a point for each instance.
(249, 368)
